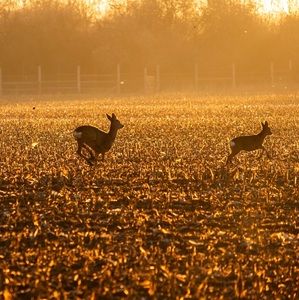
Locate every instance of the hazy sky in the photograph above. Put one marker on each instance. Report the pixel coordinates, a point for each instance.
(265, 6)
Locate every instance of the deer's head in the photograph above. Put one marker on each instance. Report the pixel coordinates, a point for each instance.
(115, 123)
(266, 128)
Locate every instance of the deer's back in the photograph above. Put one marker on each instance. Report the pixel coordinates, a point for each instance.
(89, 134)
(250, 142)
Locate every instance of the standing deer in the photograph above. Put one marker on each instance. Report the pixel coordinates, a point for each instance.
(99, 141)
(249, 143)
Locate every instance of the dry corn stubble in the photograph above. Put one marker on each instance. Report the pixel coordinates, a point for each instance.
(162, 216)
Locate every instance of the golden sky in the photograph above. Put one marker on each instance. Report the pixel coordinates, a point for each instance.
(272, 7)
(278, 6)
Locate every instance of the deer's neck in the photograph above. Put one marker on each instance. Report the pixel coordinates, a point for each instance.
(112, 133)
(262, 135)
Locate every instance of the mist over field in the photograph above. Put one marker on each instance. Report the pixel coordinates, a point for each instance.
(163, 217)
(58, 36)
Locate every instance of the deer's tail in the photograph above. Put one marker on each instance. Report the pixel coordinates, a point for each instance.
(232, 144)
(77, 135)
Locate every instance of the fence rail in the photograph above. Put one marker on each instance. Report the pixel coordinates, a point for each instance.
(148, 82)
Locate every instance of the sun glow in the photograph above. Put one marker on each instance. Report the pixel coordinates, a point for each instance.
(100, 7)
(264, 7)
(273, 8)
(277, 7)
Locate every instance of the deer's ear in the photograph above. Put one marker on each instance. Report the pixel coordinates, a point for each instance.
(266, 123)
(113, 116)
(109, 118)
(262, 124)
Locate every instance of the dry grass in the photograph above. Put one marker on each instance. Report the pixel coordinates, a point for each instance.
(162, 217)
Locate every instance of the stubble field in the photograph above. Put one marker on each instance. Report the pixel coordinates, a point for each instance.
(162, 217)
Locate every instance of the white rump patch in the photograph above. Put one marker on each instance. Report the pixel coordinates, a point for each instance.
(232, 144)
(77, 135)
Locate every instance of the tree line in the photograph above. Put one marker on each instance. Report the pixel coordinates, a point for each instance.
(175, 34)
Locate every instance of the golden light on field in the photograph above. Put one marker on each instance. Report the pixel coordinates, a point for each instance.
(162, 214)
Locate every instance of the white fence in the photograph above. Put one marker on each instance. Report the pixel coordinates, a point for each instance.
(145, 82)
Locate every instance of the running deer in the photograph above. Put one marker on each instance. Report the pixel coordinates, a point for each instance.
(249, 143)
(89, 137)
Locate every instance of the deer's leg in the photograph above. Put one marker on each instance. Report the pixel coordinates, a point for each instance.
(96, 155)
(79, 151)
(230, 157)
(91, 158)
(95, 158)
(264, 150)
(89, 151)
(261, 153)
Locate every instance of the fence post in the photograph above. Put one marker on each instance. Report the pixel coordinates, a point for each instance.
(144, 79)
(39, 79)
(118, 79)
(234, 75)
(78, 79)
(272, 73)
(157, 78)
(196, 77)
(0, 81)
